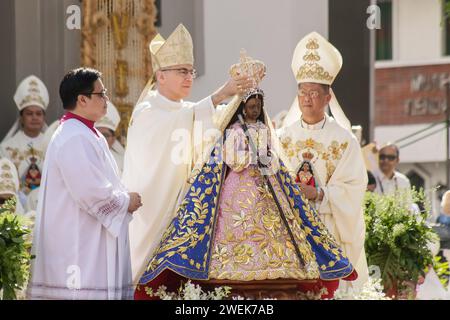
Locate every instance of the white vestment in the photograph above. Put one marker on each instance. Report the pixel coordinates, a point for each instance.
(23, 150)
(81, 229)
(338, 169)
(158, 160)
(118, 157)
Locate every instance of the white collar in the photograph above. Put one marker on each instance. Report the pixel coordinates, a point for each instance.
(316, 126)
(169, 103)
(384, 177)
(31, 138)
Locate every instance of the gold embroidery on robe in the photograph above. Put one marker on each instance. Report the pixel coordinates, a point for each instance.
(330, 154)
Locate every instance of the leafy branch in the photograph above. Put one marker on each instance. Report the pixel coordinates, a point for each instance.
(15, 249)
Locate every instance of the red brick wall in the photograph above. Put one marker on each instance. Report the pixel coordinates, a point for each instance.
(393, 90)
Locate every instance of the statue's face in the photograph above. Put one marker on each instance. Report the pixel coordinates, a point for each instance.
(252, 109)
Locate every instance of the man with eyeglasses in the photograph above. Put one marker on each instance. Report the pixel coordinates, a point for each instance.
(163, 139)
(81, 229)
(388, 179)
(330, 148)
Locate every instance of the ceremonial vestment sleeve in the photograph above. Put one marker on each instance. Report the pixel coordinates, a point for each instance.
(344, 193)
(204, 109)
(91, 190)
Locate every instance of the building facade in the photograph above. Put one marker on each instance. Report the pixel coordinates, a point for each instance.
(412, 67)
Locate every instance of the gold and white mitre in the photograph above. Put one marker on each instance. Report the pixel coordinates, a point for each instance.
(31, 92)
(9, 179)
(111, 119)
(316, 60)
(177, 49)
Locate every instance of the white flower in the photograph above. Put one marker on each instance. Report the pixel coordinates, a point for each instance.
(189, 291)
(371, 290)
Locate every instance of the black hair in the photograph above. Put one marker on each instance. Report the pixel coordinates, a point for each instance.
(309, 165)
(77, 82)
(34, 166)
(21, 111)
(371, 178)
(109, 130)
(240, 110)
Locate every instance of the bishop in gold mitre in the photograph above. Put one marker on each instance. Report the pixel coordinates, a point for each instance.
(160, 144)
(326, 143)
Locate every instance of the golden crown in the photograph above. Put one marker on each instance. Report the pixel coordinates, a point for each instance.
(254, 69)
(307, 155)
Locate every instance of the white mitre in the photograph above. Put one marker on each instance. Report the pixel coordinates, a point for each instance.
(31, 92)
(111, 119)
(316, 60)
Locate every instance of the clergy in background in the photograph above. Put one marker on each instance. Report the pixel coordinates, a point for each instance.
(160, 141)
(81, 229)
(23, 144)
(108, 126)
(328, 146)
(9, 184)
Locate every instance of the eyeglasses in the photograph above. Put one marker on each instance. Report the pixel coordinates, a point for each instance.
(313, 94)
(103, 93)
(389, 157)
(184, 72)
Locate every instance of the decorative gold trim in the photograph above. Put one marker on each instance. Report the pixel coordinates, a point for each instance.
(129, 24)
(145, 24)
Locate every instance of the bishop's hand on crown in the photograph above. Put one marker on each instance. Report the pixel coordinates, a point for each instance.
(253, 69)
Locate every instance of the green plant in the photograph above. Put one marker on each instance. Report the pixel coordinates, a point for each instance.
(446, 15)
(397, 237)
(14, 251)
(442, 270)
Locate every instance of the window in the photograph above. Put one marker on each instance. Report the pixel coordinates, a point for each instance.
(418, 182)
(383, 36)
(416, 179)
